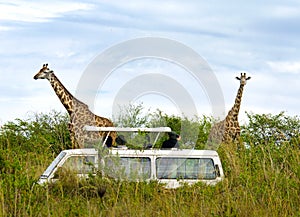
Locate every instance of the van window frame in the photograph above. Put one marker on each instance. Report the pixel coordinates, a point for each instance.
(53, 165)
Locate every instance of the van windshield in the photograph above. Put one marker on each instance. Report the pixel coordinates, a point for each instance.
(80, 164)
(185, 168)
(54, 163)
(131, 168)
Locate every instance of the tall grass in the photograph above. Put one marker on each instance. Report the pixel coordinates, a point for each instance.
(262, 180)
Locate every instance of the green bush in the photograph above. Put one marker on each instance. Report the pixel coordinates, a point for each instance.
(41, 132)
(268, 128)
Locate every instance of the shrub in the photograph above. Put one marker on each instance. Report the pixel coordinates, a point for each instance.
(271, 129)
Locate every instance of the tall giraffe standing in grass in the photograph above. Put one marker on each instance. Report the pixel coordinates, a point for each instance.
(228, 130)
(79, 113)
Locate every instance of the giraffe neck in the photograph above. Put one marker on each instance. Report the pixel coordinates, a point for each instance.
(234, 112)
(66, 98)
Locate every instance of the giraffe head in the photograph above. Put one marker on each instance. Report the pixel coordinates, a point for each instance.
(43, 73)
(243, 79)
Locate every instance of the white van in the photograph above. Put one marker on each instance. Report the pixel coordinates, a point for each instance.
(169, 166)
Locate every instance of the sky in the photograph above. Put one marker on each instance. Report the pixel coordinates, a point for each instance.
(260, 38)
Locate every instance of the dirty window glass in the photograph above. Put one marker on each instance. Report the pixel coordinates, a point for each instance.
(128, 167)
(185, 168)
(80, 164)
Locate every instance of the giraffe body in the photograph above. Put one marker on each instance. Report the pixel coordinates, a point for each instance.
(228, 130)
(79, 113)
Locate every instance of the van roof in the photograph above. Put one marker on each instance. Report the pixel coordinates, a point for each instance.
(159, 152)
(167, 152)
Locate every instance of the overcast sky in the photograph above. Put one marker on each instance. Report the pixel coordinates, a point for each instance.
(257, 37)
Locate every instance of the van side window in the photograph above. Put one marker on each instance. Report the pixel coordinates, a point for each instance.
(185, 168)
(131, 168)
(80, 164)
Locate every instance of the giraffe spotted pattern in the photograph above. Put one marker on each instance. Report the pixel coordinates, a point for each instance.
(79, 113)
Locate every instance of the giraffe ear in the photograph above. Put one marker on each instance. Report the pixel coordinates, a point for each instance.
(248, 78)
(238, 78)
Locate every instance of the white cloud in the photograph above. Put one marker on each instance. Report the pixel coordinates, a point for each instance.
(285, 66)
(38, 11)
(5, 28)
(284, 11)
(157, 7)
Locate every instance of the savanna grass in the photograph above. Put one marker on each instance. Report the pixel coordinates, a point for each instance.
(261, 180)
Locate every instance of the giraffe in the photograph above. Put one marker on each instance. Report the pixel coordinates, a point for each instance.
(228, 130)
(79, 113)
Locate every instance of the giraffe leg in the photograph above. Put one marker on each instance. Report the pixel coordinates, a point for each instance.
(72, 135)
(238, 142)
(113, 136)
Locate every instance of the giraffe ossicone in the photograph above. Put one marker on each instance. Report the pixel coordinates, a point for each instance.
(79, 113)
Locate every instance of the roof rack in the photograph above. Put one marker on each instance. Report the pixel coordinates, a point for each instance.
(129, 129)
(157, 130)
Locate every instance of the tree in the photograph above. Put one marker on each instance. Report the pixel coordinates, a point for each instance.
(131, 115)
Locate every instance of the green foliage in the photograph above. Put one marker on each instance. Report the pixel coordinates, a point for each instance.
(40, 133)
(261, 180)
(194, 132)
(268, 128)
(131, 116)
